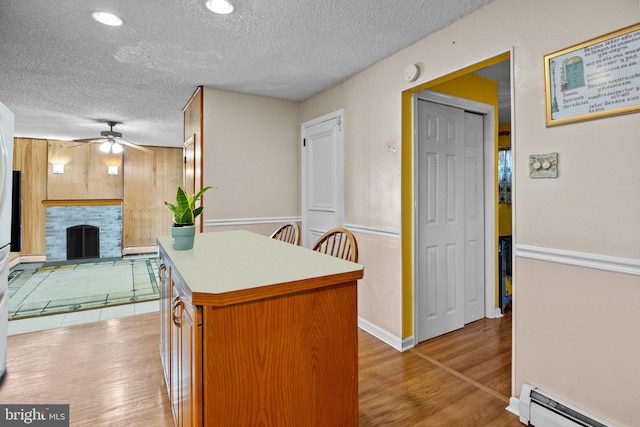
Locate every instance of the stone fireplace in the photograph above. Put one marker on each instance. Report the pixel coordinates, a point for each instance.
(103, 217)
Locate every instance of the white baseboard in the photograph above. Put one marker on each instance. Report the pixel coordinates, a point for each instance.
(27, 258)
(408, 343)
(133, 250)
(385, 336)
(130, 250)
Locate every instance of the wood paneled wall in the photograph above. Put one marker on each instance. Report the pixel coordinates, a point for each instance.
(144, 182)
(30, 157)
(85, 172)
(149, 181)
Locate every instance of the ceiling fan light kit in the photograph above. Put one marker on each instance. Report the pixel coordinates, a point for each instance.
(112, 147)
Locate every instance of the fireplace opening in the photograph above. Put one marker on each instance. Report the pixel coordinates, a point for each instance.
(83, 241)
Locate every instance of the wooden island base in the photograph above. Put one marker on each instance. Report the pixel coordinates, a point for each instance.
(273, 343)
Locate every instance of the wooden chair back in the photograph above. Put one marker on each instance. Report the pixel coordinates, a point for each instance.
(289, 233)
(338, 242)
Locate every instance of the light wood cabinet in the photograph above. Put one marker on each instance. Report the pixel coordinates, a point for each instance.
(262, 333)
(165, 320)
(180, 341)
(186, 362)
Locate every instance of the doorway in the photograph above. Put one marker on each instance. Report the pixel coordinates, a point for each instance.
(453, 162)
(322, 176)
(501, 103)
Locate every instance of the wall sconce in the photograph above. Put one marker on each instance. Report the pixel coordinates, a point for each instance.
(58, 168)
(112, 170)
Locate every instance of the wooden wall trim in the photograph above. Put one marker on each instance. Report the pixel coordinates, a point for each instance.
(84, 202)
(193, 128)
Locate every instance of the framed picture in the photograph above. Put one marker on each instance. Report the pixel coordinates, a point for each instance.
(594, 79)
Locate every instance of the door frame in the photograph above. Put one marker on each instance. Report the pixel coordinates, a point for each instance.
(338, 115)
(488, 112)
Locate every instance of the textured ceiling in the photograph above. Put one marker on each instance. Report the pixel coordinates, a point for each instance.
(64, 75)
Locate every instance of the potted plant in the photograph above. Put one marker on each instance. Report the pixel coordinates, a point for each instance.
(184, 216)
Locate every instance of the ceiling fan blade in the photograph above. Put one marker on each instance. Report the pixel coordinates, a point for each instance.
(81, 144)
(98, 139)
(132, 145)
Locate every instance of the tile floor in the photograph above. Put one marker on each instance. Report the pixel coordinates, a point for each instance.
(32, 324)
(36, 290)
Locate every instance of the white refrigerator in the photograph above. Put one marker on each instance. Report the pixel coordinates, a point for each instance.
(6, 173)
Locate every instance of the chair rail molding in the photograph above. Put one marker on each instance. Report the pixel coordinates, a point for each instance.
(250, 221)
(579, 259)
(354, 228)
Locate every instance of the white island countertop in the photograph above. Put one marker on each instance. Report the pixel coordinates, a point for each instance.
(230, 267)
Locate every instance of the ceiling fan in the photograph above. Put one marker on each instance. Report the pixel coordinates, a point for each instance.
(112, 141)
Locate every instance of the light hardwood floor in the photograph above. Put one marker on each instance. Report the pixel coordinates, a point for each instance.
(110, 374)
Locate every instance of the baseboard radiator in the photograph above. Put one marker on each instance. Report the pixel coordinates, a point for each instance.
(539, 409)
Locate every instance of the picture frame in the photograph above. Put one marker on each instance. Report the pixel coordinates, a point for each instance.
(594, 79)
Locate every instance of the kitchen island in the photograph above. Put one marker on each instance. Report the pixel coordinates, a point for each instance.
(255, 331)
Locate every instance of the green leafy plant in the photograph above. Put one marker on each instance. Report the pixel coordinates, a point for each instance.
(184, 211)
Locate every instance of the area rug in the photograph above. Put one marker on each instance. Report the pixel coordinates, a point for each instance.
(45, 290)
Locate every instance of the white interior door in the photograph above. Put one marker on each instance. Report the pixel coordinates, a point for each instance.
(322, 176)
(450, 219)
(474, 284)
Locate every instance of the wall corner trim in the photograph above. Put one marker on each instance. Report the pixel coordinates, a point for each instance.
(579, 259)
(514, 406)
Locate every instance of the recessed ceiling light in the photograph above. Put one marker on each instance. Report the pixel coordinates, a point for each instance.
(223, 7)
(107, 18)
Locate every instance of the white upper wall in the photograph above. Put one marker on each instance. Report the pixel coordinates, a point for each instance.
(588, 208)
(592, 207)
(251, 155)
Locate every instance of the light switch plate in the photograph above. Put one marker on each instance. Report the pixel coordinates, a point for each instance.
(543, 165)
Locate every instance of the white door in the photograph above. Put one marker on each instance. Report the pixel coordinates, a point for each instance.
(474, 297)
(322, 176)
(450, 219)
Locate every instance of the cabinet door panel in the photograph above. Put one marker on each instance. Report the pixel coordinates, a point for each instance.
(176, 353)
(187, 379)
(186, 395)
